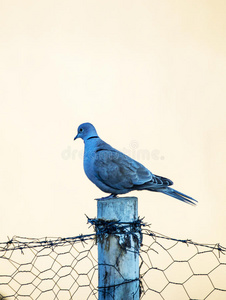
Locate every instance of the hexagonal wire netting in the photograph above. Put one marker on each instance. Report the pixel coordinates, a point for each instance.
(67, 268)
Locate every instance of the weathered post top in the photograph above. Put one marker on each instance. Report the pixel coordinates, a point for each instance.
(124, 209)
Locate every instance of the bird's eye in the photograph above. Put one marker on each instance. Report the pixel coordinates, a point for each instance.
(81, 130)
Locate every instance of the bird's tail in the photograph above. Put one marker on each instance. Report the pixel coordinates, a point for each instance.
(178, 195)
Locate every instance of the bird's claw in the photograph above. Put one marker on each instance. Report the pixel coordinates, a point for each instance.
(108, 197)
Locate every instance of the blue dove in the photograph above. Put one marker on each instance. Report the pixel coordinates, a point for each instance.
(116, 173)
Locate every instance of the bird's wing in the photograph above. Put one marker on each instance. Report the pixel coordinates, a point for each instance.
(118, 170)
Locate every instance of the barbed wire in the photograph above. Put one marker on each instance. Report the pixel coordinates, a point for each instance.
(66, 268)
(21, 243)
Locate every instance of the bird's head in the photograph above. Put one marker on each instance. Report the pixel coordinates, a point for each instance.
(86, 131)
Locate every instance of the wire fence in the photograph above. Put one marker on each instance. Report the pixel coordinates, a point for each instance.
(67, 268)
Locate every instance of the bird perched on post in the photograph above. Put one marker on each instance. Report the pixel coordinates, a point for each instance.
(116, 173)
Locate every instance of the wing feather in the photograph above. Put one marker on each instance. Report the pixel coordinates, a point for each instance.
(118, 170)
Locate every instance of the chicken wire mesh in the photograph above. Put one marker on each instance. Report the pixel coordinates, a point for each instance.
(67, 268)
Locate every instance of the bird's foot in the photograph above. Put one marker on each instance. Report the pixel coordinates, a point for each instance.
(108, 197)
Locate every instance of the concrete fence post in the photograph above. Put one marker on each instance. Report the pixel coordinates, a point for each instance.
(118, 249)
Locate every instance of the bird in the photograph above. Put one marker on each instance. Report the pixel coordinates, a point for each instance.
(116, 173)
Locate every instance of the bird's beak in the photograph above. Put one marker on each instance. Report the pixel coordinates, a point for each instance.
(76, 137)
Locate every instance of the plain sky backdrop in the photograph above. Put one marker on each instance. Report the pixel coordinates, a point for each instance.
(149, 74)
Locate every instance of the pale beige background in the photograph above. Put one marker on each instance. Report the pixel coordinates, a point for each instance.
(150, 75)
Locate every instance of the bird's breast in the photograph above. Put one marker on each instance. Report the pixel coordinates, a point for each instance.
(88, 163)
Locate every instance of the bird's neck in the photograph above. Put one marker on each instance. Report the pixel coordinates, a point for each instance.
(93, 137)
